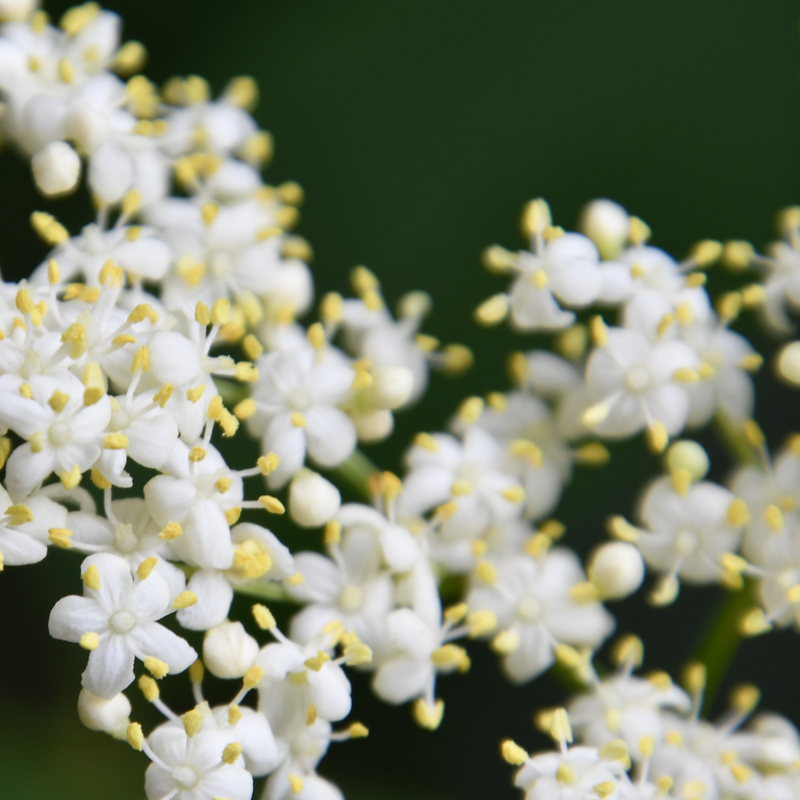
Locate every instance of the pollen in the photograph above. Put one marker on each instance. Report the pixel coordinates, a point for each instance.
(156, 667)
(146, 567)
(272, 504)
(89, 641)
(172, 530)
(263, 617)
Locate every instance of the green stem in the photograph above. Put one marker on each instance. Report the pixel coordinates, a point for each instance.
(355, 473)
(721, 640)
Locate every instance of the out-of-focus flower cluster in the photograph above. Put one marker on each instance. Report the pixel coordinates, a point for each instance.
(144, 340)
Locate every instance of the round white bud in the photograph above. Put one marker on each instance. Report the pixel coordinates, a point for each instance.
(616, 569)
(313, 501)
(17, 10)
(110, 716)
(228, 650)
(391, 387)
(607, 224)
(689, 456)
(789, 363)
(373, 426)
(56, 169)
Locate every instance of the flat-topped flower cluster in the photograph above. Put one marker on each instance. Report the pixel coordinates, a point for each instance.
(145, 340)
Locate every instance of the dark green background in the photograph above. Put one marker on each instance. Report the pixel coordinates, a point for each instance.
(418, 130)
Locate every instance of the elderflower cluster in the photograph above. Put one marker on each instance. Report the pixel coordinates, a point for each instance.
(642, 737)
(172, 323)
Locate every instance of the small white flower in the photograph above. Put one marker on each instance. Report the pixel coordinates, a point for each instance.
(110, 716)
(228, 650)
(119, 615)
(56, 169)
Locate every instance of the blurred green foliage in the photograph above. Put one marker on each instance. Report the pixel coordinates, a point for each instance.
(418, 130)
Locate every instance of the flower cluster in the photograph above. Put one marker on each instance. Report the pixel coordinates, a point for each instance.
(144, 341)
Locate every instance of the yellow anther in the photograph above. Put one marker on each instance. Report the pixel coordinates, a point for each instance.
(251, 560)
(356, 654)
(584, 593)
(497, 401)
(426, 442)
(426, 716)
(753, 295)
(537, 545)
(539, 279)
(560, 729)
(48, 228)
(568, 656)
(492, 311)
(598, 331)
(665, 591)
(454, 614)
(705, 253)
(89, 641)
(201, 314)
(135, 736)
(316, 336)
(753, 433)
(621, 529)
(129, 59)
(628, 649)
(91, 578)
(657, 436)
(536, 217)
(223, 485)
(192, 722)
(481, 623)
(331, 309)
(593, 454)
(685, 375)
(605, 789)
(231, 753)
(115, 441)
(193, 395)
(738, 255)
(172, 530)
(333, 532)
(156, 667)
(470, 410)
(486, 573)
(99, 480)
(149, 688)
(461, 488)
(58, 401)
(141, 361)
(77, 338)
(245, 409)
(774, 518)
(197, 454)
(234, 714)
(232, 515)
(741, 773)
(221, 311)
(738, 513)
(752, 362)
(566, 774)
(317, 662)
(681, 481)
(298, 420)
(616, 750)
(23, 301)
(209, 212)
(358, 731)
(296, 783)
(426, 343)
(272, 504)
(513, 753)
(146, 567)
(729, 305)
(745, 698)
(263, 617)
(61, 537)
(506, 642)
(754, 623)
(311, 714)
(196, 671)
(793, 594)
(695, 279)
(361, 380)
(123, 339)
(72, 478)
(514, 494)
(664, 784)
(184, 600)
(639, 231)
(498, 259)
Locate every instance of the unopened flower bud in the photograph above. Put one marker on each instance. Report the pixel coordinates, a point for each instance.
(312, 500)
(373, 426)
(689, 456)
(607, 224)
(616, 569)
(391, 387)
(110, 716)
(229, 651)
(56, 169)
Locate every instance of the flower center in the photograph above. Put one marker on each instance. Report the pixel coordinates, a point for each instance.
(127, 541)
(220, 263)
(530, 609)
(122, 622)
(638, 380)
(185, 777)
(686, 542)
(350, 598)
(298, 398)
(59, 434)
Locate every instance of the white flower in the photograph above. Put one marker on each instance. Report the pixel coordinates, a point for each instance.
(352, 587)
(23, 537)
(110, 716)
(469, 472)
(192, 768)
(564, 271)
(195, 495)
(571, 775)
(297, 397)
(633, 384)
(687, 532)
(531, 599)
(62, 433)
(56, 169)
(116, 620)
(624, 707)
(228, 650)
